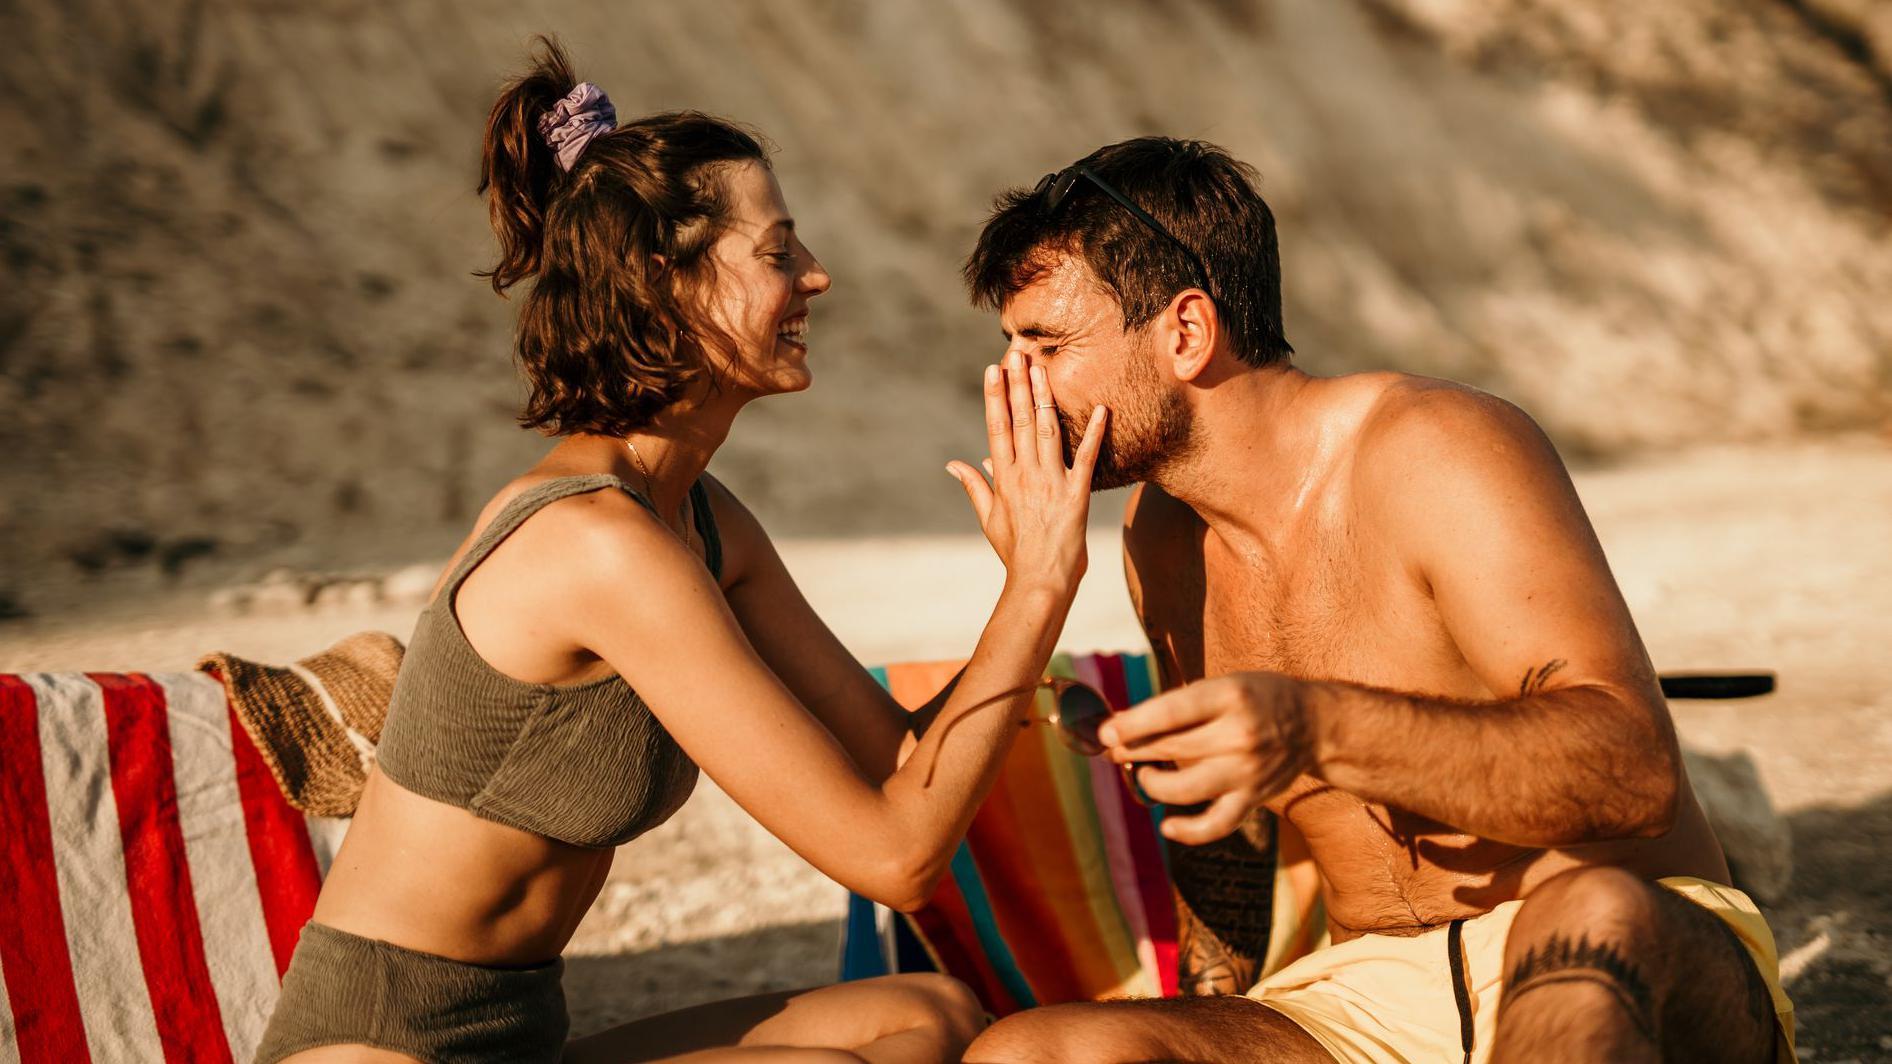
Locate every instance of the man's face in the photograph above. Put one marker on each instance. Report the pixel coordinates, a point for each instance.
(1067, 322)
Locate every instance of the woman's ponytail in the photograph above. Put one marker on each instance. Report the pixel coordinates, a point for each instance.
(518, 168)
(613, 225)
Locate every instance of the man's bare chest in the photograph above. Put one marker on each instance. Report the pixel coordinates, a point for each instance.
(1322, 611)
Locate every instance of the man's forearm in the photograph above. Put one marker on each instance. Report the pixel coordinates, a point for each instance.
(1550, 768)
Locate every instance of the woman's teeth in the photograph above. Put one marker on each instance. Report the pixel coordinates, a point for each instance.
(795, 332)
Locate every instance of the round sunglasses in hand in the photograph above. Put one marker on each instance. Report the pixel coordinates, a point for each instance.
(1078, 710)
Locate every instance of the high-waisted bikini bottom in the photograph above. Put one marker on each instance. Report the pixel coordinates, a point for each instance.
(343, 989)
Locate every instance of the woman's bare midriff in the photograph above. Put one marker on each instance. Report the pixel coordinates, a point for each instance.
(436, 878)
(1386, 872)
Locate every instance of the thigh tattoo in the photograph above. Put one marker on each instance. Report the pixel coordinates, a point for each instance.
(1559, 959)
(1224, 906)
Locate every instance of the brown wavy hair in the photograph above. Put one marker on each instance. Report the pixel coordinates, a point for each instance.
(614, 328)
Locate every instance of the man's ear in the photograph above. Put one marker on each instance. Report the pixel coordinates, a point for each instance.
(1188, 331)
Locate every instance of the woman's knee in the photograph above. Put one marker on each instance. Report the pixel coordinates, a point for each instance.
(926, 1000)
(951, 1001)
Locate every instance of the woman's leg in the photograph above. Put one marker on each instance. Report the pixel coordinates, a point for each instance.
(896, 1019)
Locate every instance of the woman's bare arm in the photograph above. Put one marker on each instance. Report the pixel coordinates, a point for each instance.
(678, 643)
(798, 646)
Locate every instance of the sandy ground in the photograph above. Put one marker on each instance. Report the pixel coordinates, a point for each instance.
(1775, 558)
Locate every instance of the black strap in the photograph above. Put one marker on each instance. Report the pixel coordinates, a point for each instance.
(705, 520)
(1455, 957)
(700, 516)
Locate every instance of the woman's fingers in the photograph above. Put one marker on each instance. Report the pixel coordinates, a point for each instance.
(977, 490)
(1084, 461)
(998, 417)
(1045, 421)
(1018, 395)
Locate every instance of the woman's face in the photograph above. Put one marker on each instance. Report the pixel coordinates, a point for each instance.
(765, 277)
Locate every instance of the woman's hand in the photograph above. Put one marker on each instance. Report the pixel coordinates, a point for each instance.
(1034, 509)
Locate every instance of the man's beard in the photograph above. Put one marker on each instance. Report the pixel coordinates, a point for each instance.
(1149, 428)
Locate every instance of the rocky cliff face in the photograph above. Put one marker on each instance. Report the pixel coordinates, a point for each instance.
(239, 320)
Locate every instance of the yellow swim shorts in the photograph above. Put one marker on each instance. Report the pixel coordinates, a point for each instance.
(1384, 1000)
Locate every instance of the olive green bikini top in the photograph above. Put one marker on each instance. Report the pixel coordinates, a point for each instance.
(584, 763)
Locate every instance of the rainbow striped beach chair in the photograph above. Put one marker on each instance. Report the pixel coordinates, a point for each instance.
(1060, 891)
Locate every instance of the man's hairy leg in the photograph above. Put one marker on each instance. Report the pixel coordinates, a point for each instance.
(1603, 965)
(1213, 1030)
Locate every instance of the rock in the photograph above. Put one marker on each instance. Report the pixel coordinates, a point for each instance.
(280, 596)
(332, 594)
(411, 584)
(1646, 223)
(362, 594)
(1756, 839)
(230, 601)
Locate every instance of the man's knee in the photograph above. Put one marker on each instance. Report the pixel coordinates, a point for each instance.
(1594, 926)
(1590, 902)
(1215, 1028)
(1641, 954)
(1058, 1034)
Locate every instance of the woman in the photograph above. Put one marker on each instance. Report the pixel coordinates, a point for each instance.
(617, 619)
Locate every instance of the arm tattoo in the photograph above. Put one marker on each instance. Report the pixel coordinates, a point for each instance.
(1535, 680)
(1224, 908)
(1559, 960)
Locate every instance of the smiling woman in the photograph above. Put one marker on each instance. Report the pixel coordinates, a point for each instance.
(616, 236)
(617, 620)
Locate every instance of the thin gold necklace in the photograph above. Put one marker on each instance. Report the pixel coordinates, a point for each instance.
(682, 532)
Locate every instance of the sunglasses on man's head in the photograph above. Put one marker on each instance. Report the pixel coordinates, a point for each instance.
(1057, 187)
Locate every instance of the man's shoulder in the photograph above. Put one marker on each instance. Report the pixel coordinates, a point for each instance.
(1413, 409)
(1438, 464)
(1419, 428)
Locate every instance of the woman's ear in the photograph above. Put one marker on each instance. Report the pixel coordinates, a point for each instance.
(1190, 330)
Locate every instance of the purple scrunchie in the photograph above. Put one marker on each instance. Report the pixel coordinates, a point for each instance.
(584, 113)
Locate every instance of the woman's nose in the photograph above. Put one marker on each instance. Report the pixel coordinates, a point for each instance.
(815, 279)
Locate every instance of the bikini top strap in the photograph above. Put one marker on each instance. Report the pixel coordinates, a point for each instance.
(524, 505)
(541, 495)
(706, 528)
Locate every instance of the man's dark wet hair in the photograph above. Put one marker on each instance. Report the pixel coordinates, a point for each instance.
(1200, 193)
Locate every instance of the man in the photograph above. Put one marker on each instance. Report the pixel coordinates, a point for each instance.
(1400, 636)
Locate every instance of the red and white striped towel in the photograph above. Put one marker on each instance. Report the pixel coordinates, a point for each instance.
(152, 878)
